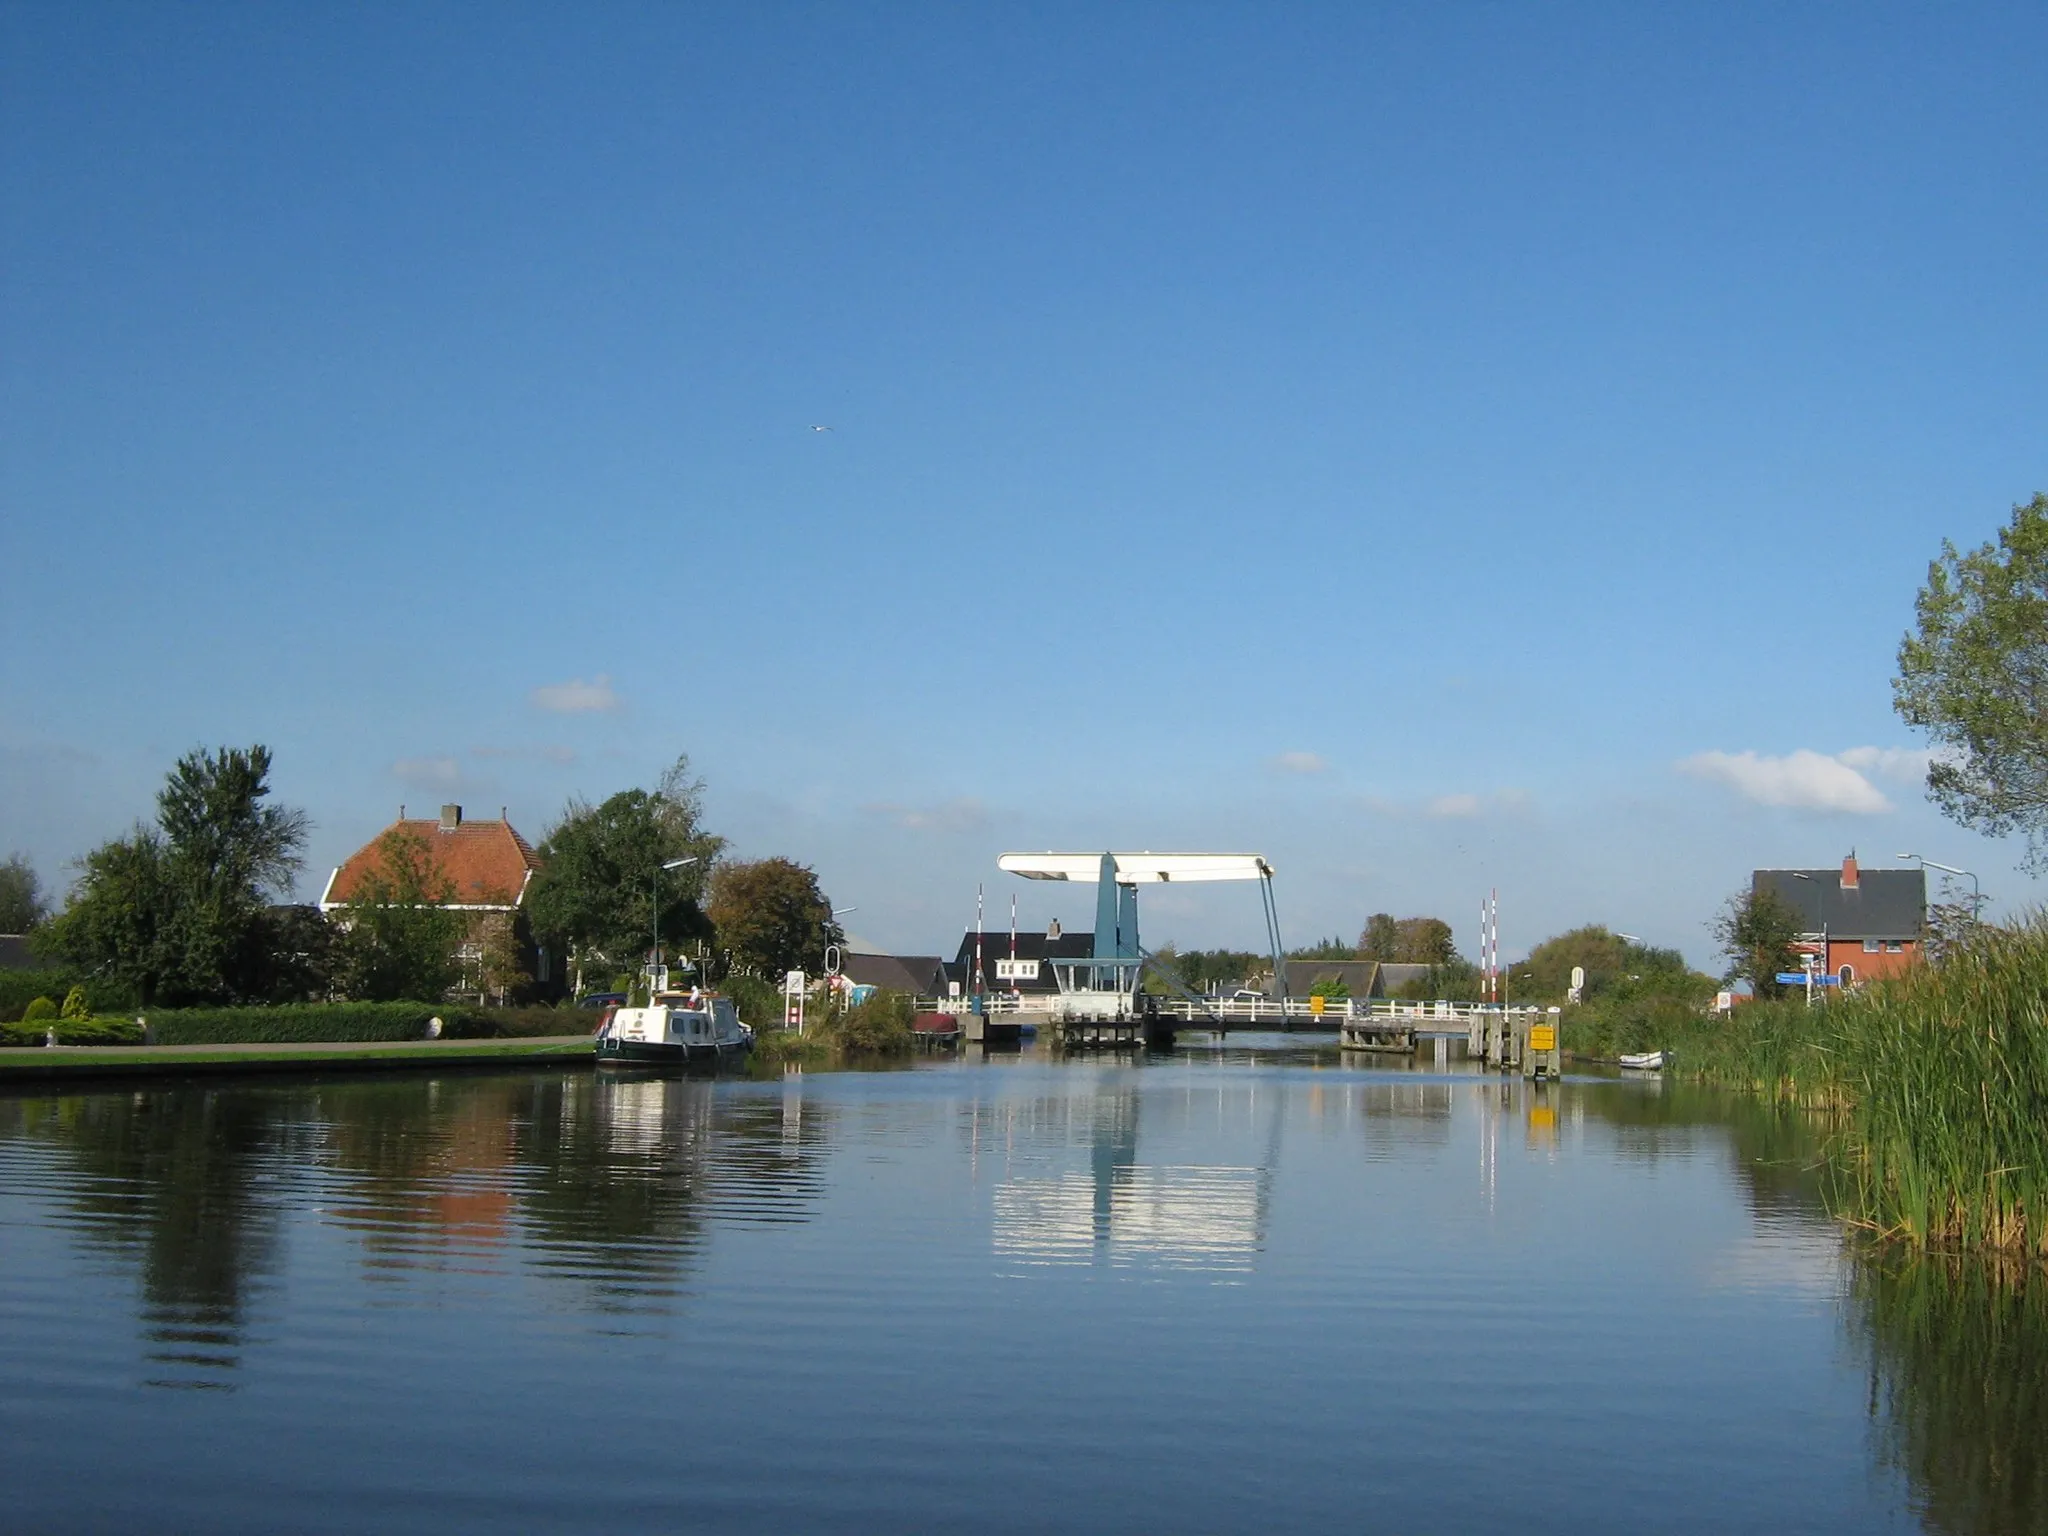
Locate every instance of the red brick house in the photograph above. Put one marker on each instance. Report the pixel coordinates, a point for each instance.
(1869, 922)
(490, 867)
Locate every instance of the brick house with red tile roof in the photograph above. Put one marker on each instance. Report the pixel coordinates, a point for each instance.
(490, 867)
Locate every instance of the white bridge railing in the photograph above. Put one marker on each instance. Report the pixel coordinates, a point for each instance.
(1440, 1015)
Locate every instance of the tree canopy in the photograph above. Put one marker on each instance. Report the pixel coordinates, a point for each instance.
(1974, 675)
(181, 911)
(401, 937)
(1610, 961)
(1407, 940)
(771, 916)
(1756, 931)
(21, 896)
(601, 870)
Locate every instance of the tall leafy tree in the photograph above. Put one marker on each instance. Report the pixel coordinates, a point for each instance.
(1610, 961)
(400, 937)
(1756, 931)
(21, 896)
(1381, 938)
(771, 916)
(1973, 674)
(181, 910)
(601, 873)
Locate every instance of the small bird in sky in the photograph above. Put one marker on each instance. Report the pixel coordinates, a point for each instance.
(821, 429)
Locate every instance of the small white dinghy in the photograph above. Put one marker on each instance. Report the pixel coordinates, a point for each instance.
(1645, 1061)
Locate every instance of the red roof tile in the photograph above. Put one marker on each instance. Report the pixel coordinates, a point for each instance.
(488, 862)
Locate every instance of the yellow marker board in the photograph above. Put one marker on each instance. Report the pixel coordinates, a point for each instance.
(1315, 1004)
(1542, 1037)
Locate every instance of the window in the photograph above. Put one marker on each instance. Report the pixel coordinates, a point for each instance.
(1894, 947)
(1872, 946)
(1848, 975)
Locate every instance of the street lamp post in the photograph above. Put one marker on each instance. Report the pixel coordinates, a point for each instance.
(654, 956)
(1976, 891)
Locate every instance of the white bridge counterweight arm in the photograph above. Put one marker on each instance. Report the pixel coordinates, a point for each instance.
(1138, 868)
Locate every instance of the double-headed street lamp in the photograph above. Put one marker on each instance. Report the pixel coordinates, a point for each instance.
(1976, 891)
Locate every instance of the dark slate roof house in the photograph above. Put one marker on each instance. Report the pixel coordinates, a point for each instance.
(1852, 903)
(919, 975)
(1872, 918)
(1033, 950)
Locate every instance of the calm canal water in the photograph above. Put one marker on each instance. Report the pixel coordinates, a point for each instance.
(1222, 1291)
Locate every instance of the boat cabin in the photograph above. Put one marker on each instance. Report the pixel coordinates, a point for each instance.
(672, 1019)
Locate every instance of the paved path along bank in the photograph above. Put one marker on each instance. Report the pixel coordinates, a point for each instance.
(43, 1063)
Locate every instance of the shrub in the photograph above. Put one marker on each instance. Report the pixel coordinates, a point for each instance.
(758, 1002)
(19, 988)
(42, 1008)
(73, 1032)
(880, 1024)
(358, 1023)
(340, 1023)
(75, 1005)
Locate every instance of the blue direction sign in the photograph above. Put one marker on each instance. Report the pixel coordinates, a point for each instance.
(1798, 979)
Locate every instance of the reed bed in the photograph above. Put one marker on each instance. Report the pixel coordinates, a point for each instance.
(1940, 1081)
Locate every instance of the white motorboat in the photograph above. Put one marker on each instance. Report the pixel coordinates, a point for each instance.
(1644, 1061)
(675, 1028)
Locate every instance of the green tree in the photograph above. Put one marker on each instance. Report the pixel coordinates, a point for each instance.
(399, 937)
(21, 896)
(1425, 941)
(601, 866)
(1756, 931)
(1974, 676)
(1609, 960)
(1407, 940)
(1332, 948)
(770, 916)
(181, 910)
(1381, 938)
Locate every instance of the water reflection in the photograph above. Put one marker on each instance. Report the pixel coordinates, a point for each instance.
(1075, 1191)
(1958, 1354)
(175, 1187)
(618, 1193)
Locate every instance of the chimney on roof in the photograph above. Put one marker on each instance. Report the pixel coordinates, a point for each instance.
(1849, 872)
(401, 810)
(451, 817)
(1052, 929)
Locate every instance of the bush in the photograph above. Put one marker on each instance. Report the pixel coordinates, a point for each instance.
(73, 1032)
(296, 1023)
(880, 1024)
(758, 1002)
(359, 1023)
(75, 1005)
(19, 988)
(42, 1008)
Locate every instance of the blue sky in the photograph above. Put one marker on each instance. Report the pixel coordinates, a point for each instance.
(1441, 447)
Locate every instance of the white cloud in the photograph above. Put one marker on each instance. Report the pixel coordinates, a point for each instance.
(1803, 780)
(1902, 765)
(1301, 762)
(558, 755)
(437, 773)
(963, 815)
(1454, 805)
(576, 697)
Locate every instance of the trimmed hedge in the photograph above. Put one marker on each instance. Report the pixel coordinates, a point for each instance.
(355, 1023)
(73, 1032)
(20, 988)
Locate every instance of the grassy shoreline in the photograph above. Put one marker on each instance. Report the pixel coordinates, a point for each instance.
(39, 1064)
